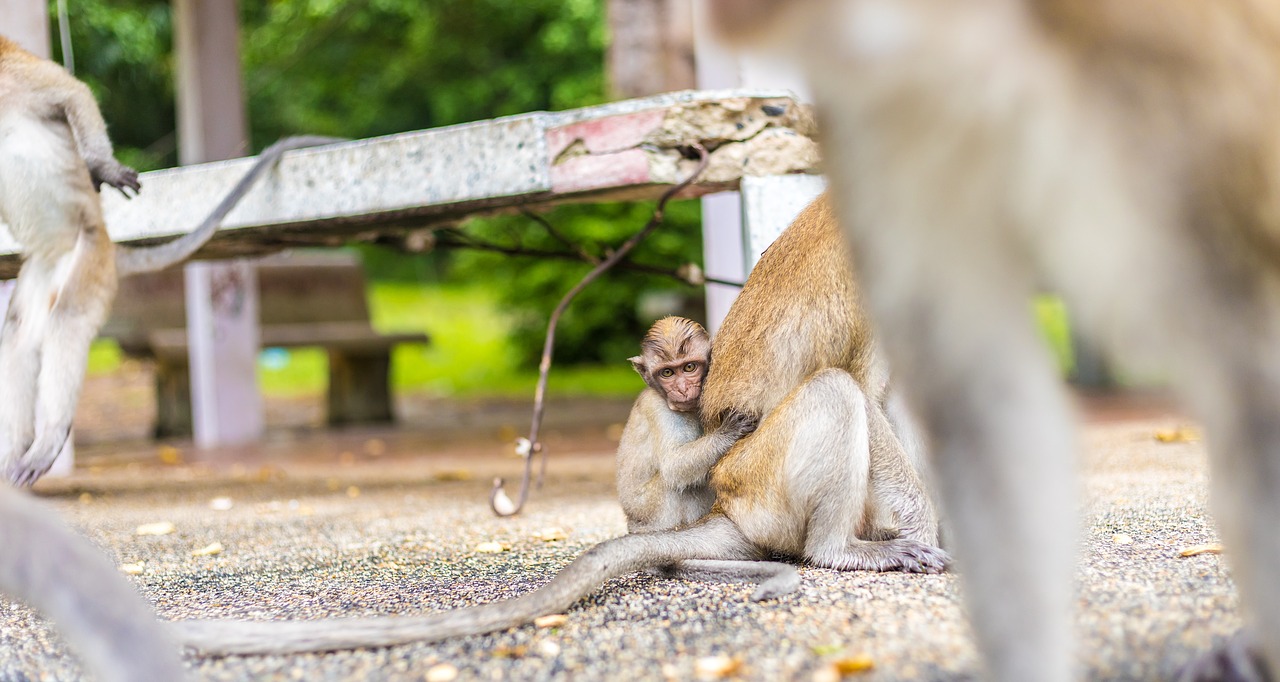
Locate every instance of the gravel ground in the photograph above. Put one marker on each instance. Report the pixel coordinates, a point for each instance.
(374, 522)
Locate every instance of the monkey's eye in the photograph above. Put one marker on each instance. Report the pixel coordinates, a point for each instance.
(691, 367)
(668, 372)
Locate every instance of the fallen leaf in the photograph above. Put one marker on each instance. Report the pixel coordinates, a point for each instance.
(1122, 539)
(1197, 550)
(266, 474)
(453, 475)
(169, 455)
(492, 547)
(442, 673)
(86, 498)
(333, 484)
(353, 492)
(519, 651)
(133, 569)
(158, 528)
(208, 550)
(827, 649)
(550, 534)
(854, 664)
(552, 621)
(714, 667)
(1181, 434)
(221, 504)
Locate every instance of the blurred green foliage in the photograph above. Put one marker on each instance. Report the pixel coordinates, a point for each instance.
(360, 68)
(353, 68)
(604, 323)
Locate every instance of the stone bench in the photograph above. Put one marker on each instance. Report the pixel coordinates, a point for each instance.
(304, 300)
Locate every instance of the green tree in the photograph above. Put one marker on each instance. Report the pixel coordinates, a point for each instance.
(360, 68)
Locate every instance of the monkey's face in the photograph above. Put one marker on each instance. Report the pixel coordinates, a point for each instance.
(681, 383)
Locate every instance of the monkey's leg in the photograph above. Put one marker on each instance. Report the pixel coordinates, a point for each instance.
(95, 608)
(20, 338)
(1225, 340)
(773, 578)
(816, 445)
(80, 302)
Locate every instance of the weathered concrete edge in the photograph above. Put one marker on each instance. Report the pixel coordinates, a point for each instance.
(414, 178)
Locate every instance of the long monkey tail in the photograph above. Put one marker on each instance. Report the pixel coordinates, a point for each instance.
(713, 537)
(134, 260)
(69, 580)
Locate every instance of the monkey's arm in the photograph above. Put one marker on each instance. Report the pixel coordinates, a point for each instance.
(690, 464)
(714, 537)
(95, 609)
(90, 131)
(136, 260)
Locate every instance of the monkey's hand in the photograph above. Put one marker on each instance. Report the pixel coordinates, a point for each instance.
(738, 425)
(116, 174)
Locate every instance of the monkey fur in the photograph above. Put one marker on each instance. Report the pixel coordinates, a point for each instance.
(817, 480)
(664, 460)
(1123, 152)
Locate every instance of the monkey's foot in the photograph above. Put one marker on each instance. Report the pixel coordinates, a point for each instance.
(1238, 660)
(899, 554)
(36, 461)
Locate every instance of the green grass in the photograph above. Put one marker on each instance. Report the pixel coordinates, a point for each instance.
(1051, 315)
(470, 356)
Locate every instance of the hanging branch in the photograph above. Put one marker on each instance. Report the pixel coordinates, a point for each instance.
(580, 250)
(529, 447)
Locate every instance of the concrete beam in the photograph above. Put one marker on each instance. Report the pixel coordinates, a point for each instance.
(351, 191)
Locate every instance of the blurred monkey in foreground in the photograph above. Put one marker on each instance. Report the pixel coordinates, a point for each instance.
(1126, 152)
(97, 611)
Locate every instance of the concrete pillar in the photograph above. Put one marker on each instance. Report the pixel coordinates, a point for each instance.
(771, 203)
(222, 298)
(26, 22)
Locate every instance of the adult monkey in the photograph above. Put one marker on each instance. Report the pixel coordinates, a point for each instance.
(1125, 151)
(819, 479)
(54, 156)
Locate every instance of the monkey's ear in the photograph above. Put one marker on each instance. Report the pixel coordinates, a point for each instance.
(637, 363)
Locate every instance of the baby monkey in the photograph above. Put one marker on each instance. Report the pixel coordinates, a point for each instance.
(665, 459)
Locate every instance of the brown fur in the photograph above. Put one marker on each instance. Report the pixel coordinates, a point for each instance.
(824, 478)
(798, 313)
(1127, 153)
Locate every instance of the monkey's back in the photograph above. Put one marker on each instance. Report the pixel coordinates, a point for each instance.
(798, 313)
